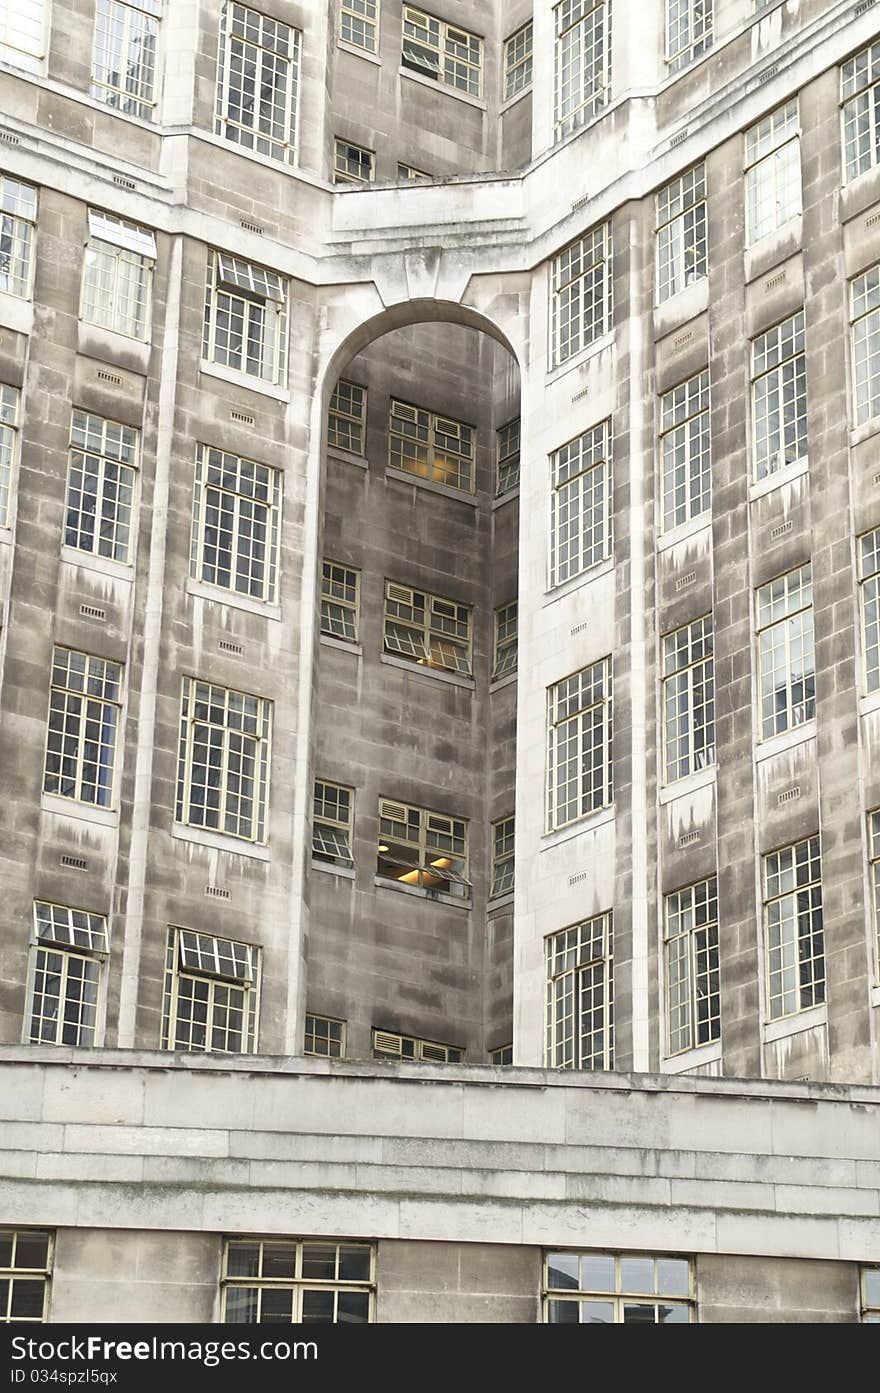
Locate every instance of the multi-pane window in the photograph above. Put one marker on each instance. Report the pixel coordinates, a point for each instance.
(580, 504)
(211, 994)
(874, 869)
(681, 233)
(124, 56)
(502, 1055)
(223, 766)
(100, 486)
(442, 51)
(869, 575)
(427, 629)
(387, 1044)
(340, 596)
(870, 1295)
(423, 848)
(617, 1289)
(235, 527)
(581, 293)
(779, 396)
(579, 745)
(359, 24)
(332, 823)
(246, 317)
(18, 218)
(773, 171)
(25, 1270)
(68, 952)
(347, 418)
(518, 61)
(118, 275)
(786, 662)
(8, 436)
(85, 704)
(580, 996)
(257, 81)
(506, 621)
(432, 447)
(297, 1282)
(793, 928)
(866, 344)
(860, 95)
(22, 33)
(689, 26)
(408, 173)
(352, 164)
(507, 458)
(689, 698)
(583, 62)
(693, 1003)
(685, 449)
(502, 857)
(325, 1037)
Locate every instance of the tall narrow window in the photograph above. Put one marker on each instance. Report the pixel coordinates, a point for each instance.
(502, 857)
(246, 318)
(352, 164)
(689, 699)
(689, 26)
(583, 62)
(387, 1044)
(332, 823)
(508, 450)
(347, 418)
(68, 953)
(869, 576)
(579, 745)
(297, 1282)
(580, 996)
(8, 441)
(223, 767)
(236, 523)
(124, 56)
(786, 662)
(773, 171)
(865, 312)
(793, 928)
(100, 486)
(257, 81)
(324, 1037)
(359, 24)
(617, 1289)
(685, 447)
(681, 233)
(506, 625)
(118, 275)
(518, 61)
(422, 848)
(870, 1295)
(860, 95)
(340, 601)
(23, 33)
(580, 504)
(25, 1270)
(693, 1002)
(85, 703)
(432, 447)
(211, 994)
(581, 293)
(874, 870)
(442, 51)
(779, 396)
(18, 219)
(427, 629)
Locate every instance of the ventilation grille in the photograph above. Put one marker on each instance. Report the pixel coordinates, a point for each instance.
(772, 283)
(768, 73)
(688, 839)
(92, 612)
(788, 796)
(386, 1043)
(396, 812)
(579, 396)
(123, 182)
(683, 339)
(580, 202)
(577, 878)
(230, 647)
(216, 893)
(75, 863)
(242, 417)
(685, 580)
(579, 628)
(877, 478)
(110, 377)
(9, 139)
(781, 530)
(678, 139)
(861, 8)
(252, 227)
(872, 220)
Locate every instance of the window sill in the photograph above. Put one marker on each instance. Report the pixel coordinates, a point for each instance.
(503, 498)
(341, 872)
(594, 572)
(506, 681)
(433, 674)
(809, 1019)
(219, 841)
(785, 740)
(357, 52)
(354, 649)
(435, 85)
(685, 532)
(579, 359)
(865, 431)
(430, 487)
(83, 812)
(500, 903)
(869, 704)
(687, 784)
(454, 901)
(5, 536)
(122, 350)
(692, 1059)
(243, 379)
(101, 565)
(218, 596)
(346, 457)
(875, 996)
(797, 469)
(600, 818)
(517, 97)
(16, 314)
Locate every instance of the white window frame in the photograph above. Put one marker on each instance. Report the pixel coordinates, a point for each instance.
(507, 460)
(503, 854)
(78, 940)
(688, 684)
(258, 298)
(686, 451)
(865, 320)
(248, 492)
(784, 623)
(267, 47)
(84, 694)
(869, 606)
(874, 879)
(199, 958)
(692, 980)
(340, 602)
(772, 148)
(389, 1044)
(20, 48)
(432, 447)
(580, 504)
(347, 418)
(506, 640)
(299, 1284)
(322, 1034)
(244, 732)
(122, 28)
(332, 823)
(352, 164)
(779, 396)
(117, 281)
(408, 174)
(18, 231)
(579, 1027)
(361, 18)
(518, 61)
(607, 1302)
(580, 90)
(786, 913)
(421, 848)
(108, 453)
(18, 1273)
(581, 294)
(860, 112)
(429, 630)
(579, 728)
(689, 31)
(682, 237)
(10, 398)
(442, 52)
(869, 1295)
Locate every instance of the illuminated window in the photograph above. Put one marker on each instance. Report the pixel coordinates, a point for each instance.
(332, 823)
(583, 62)
(580, 996)
(681, 233)
(502, 857)
(442, 51)
(352, 164)
(67, 957)
(359, 24)
(779, 396)
(85, 705)
(387, 1044)
(617, 1289)
(427, 629)
(865, 312)
(101, 475)
(688, 31)
(340, 601)
(257, 82)
(246, 318)
(431, 447)
(324, 1037)
(508, 446)
(506, 621)
(223, 766)
(236, 521)
(693, 1004)
(124, 56)
(211, 994)
(685, 448)
(18, 226)
(118, 275)
(689, 698)
(9, 398)
(25, 1271)
(860, 95)
(773, 171)
(580, 504)
(422, 848)
(581, 293)
(518, 61)
(579, 745)
(793, 933)
(786, 659)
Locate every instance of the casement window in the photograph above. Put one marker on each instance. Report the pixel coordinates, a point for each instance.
(431, 447)
(25, 1274)
(507, 458)
(101, 473)
(580, 504)
(347, 418)
(860, 98)
(211, 998)
(23, 33)
(518, 61)
(794, 943)
(693, 1001)
(68, 953)
(427, 629)
(18, 226)
(387, 1044)
(124, 55)
(870, 1295)
(502, 1055)
(583, 62)
(874, 873)
(689, 698)
(257, 82)
(865, 317)
(223, 766)
(502, 857)
(324, 1037)
(685, 449)
(773, 172)
(580, 310)
(85, 706)
(580, 996)
(297, 1282)
(236, 524)
(617, 1289)
(332, 823)
(340, 601)
(689, 25)
(682, 257)
(579, 724)
(359, 24)
(118, 275)
(786, 660)
(779, 396)
(9, 399)
(422, 848)
(869, 577)
(506, 622)
(408, 174)
(442, 51)
(246, 318)
(352, 164)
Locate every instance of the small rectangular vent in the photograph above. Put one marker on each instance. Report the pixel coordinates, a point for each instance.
(688, 839)
(877, 478)
(578, 878)
(110, 377)
(580, 202)
(124, 183)
(789, 796)
(768, 73)
(772, 283)
(92, 612)
(781, 530)
(685, 580)
(9, 139)
(75, 863)
(579, 629)
(216, 893)
(251, 227)
(872, 220)
(861, 8)
(579, 396)
(242, 417)
(385, 1042)
(678, 139)
(227, 647)
(683, 339)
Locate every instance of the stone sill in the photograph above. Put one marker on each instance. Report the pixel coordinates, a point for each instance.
(243, 379)
(869, 704)
(865, 431)
(219, 841)
(433, 674)
(797, 469)
(346, 457)
(692, 1059)
(503, 498)
(343, 872)
(121, 350)
(218, 596)
(498, 905)
(430, 486)
(16, 313)
(506, 681)
(453, 901)
(436, 86)
(687, 784)
(357, 52)
(580, 359)
(517, 97)
(685, 532)
(781, 1029)
(83, 812)
(101, 565)
(786, 740)
(354, 649)
(594, 572)
(600, 818)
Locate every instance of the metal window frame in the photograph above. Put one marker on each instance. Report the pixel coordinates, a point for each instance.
(619, 1297)
(285, 150)
(767, 900)
(599, 241)
(869, 1311)
(555, 723)
(686, 201)
(176, 970)
(407, 173)
(437, 42)
(586, 15)
(30, 1273)
(105, 508)
(421, 1048)
(217, 283)
(421, 869)
(345, 826)
(868, 86)
(864, 297)
(694, 45)
(554, 980)
(518, 58)
(357, 423)
(429, 633)
(262, 762)
(115, 242)
(503, 856)
(310, 1033)
(508, 450)
(502, 1056)
(874, 882)
(776, 371)
(694, 976)
(506, 642)
(595, 448)
(433, 424)
(97, 953)
(80, 738)
(791, 612)
(273, 523)
(691, 667)
(346, 606)
(118, 97)
(696, 404)
(368, 16)
(764, 142)
(342, 173)
(10, 400)
(40, 11)
(18, 215)
(296, 1284)
(870, 671)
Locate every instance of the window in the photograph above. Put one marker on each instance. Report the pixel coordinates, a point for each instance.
(9, 398)
(681, 233)
(124, 57)
(297, 1282)
(507, 467)
(100, 486)
(359, 24)
(688, 31)
(693, 1006)
(211, 994)
(347, 420)
(431, 447)
(866, 344)
(580, 996)
(257, 82)
(869, 575)
(786, 664)
(689, 698)
(773, 171)
(579, 745)
(583, 62)
(85, 705)
(793, 928)
(581, 294)
(874, 870)
(118, 275)
(340, 601)
(779, 396)
(505, 640)
(352, 164)
(236, 522)
(580, 504)
(423, 848)
(407, 173)
(860, 95)
(25, 1269)
(332, 823)
(427, 629)
(685, 448)
(502, 1055)
(22, 33)
(617, 1289)
(388, 1044)
(223, 766)
(502, 857)
(870, 1294)
(246, 317)
(69, 949)
(442, 51)
(324, 1037)
(18, 225)
(518, 61)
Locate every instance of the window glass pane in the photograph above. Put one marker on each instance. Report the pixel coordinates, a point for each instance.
(637, 1274)
(597, 1272)
(562, 1271)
